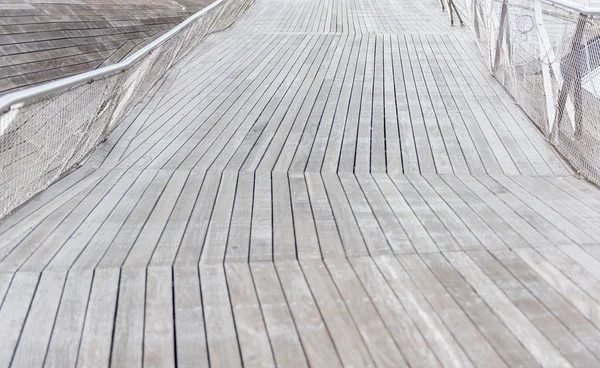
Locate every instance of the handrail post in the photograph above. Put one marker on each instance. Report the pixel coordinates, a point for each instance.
(572, 80)
(502, 34)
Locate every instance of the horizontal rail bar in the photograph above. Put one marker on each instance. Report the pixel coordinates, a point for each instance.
(18, 97)
(571, 5)
(37, 92)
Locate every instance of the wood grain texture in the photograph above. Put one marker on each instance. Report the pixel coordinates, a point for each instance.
(324, 183)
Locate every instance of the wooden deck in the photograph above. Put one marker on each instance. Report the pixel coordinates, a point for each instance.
(326, 183)
(44, 40)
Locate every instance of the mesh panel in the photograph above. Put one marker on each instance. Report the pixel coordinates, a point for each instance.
(548, 58)
(42, 139)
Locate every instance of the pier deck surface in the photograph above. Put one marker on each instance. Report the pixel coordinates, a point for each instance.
(325, 183)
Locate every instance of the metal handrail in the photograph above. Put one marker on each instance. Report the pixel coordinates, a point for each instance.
(15, 99)
(570, 5)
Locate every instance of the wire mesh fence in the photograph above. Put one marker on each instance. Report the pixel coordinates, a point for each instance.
(547, 55)
(44, 137)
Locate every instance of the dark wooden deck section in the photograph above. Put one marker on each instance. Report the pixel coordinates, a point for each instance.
(326, 183)
(43, 40)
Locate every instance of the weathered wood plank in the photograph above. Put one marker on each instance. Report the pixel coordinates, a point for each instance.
(316, 339)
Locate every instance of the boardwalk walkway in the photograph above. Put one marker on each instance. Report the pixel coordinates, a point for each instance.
(326, 183)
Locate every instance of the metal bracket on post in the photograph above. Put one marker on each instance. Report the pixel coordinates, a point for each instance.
(572, 81)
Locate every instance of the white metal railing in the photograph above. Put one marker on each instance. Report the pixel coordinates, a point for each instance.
(546, 53)
(45, 130)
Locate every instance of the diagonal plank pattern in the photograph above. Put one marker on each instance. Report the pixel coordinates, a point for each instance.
(326, 183)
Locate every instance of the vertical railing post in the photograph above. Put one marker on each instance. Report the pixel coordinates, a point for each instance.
(572, 80)
(502, 34)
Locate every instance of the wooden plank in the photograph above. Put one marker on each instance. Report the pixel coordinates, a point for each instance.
(572, 198)
(390, 225)
(593, 250)
(433, 109)
(287, 144)
(556, 219)
(408, 338)
(349, 344)
(172, 235)
(119, 248)
(51, 194)
(393, 154)
(190, 332)
(147, 240)
(375, 333)
(265, 101)
(68, 328)
(568, 345)
(433, 156)
(436, 229)
(14, 312)
(97, 246)
(5, 280)
(40, 214)
(159, 334)
(284, 241)
(572, 270)
(518, 224)
(313, 124)
(96, 339)
(221, 337)
(215, 245)
(42, 243)
(415, 230)
(71, 249)
(327, 230)
(501, 227)
(238, 243)
(334, 144)
(128, 334)
(550, 295)
(355, 151)
(373, 235)
(320, 143)
(195, 233)
(434, 331)
(499, 151)
(249, 322)
(454, 223)
(314, 335)
(574, 189)
(444, 97)
(573, 223)
(408, 141)
(590, 264)
(271, 137)
(486, 236)
(281, 328)
(473, 342)
(34, 338)
(261, 238)
(349, 231)
(23, 245)
(541, 349)
(495, 331)
(307, 241)
(216, 134)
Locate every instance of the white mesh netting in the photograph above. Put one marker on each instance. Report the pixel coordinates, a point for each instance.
(43, 138)
(548, 58)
